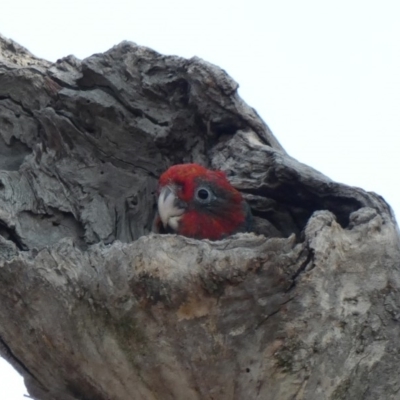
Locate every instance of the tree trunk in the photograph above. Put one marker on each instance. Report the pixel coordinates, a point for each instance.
(95, 307)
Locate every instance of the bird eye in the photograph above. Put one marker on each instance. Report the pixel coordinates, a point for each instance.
(203, 194)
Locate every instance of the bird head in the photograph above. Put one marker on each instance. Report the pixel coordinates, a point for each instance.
(196, 202)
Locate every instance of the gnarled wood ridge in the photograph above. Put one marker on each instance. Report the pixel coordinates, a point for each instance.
(94, 306)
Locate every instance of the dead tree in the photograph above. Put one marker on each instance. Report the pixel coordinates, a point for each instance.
(95, 307)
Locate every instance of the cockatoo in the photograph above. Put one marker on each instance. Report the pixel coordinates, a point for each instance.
(200, 203)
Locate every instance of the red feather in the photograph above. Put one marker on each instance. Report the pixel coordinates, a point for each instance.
(199, 223)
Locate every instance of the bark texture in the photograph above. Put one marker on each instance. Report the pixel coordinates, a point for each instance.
(95, 307)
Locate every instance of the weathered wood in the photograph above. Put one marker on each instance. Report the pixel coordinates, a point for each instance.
(94, 306)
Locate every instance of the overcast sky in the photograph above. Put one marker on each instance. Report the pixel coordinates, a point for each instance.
(324, 75)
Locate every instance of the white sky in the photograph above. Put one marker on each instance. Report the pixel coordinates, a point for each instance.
(324, 75)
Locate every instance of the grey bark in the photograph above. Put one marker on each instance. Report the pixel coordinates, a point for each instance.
(94, 306)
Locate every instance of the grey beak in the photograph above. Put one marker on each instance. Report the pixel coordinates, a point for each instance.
(169, 207)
